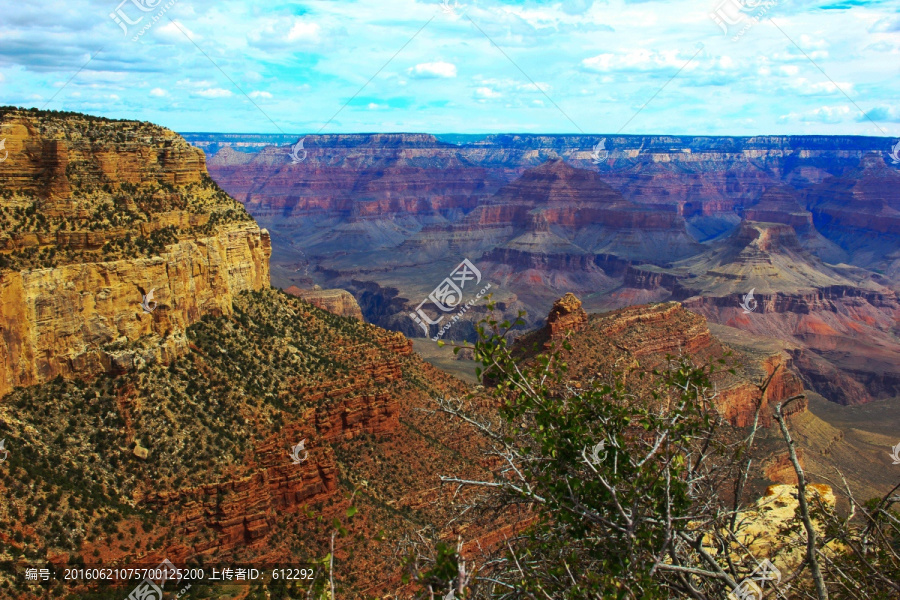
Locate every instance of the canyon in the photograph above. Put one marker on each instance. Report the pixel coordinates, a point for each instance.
(140, 428)
(809, 225)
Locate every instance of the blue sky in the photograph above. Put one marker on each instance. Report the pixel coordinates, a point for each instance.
(545, 66)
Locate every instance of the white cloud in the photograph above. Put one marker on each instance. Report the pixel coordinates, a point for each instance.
(193, 83)
(260, 94)
(623, 54)
(807, 87)
(174, 31)
(512, 85)
(432, 70)
(214, 93)
(304, 31)
(286, 32)
(158, 92)
(486, 92)
(641, 59)
(823, 114)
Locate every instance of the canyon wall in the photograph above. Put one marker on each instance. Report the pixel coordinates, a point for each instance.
(78, 320)
(97, 213)
(638, 339)
(339, 302)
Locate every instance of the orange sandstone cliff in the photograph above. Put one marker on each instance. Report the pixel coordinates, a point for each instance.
(96, 213)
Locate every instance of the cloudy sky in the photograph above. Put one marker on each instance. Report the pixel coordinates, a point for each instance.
(474, 66)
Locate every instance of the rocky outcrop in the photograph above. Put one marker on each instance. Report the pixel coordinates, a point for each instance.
(76, 320)
(50, 157)
(566, 315)
(125, 209)
(647, 278)
(641, 337)
(797, 298)
(339, 302)
(761, 528)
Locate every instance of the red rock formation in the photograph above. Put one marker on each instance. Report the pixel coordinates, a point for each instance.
(339, 302)
(642, 336)
(566, 315)
(796, 298)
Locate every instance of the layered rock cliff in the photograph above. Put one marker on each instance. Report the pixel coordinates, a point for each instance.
(540, 216)
(763, 280)
(195, 457)
(339, 302)
(97, 215)
(140, 340)
(640, 337)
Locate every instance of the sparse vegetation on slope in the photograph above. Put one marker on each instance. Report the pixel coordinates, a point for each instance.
(77, 188)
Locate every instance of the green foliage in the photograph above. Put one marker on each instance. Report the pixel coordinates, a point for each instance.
(612, 474)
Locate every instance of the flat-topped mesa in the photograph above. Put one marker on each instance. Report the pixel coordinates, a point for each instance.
(781, 205)
(767, 237)
(98, 217)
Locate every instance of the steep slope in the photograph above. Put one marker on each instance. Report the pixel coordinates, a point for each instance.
(860, 212)
(191, 460)
(134, 434)
(97, 213)
(339, 302)
(638, 339)
(841, 320)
